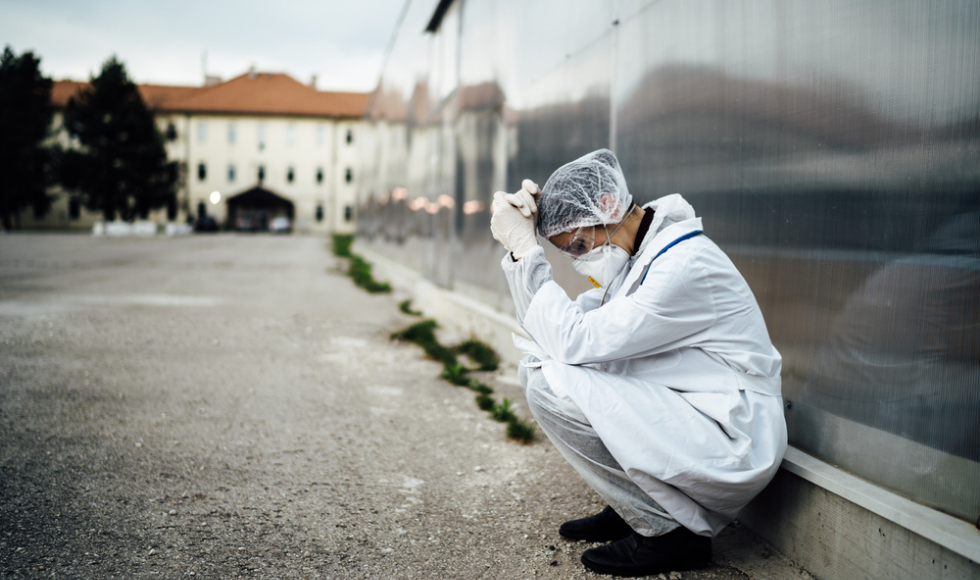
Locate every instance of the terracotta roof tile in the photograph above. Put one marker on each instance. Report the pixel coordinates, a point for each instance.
(272, 93)
(61, 91)
(257, 94)
(158, 97)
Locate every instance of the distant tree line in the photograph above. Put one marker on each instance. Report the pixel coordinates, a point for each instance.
(115, 160)
(26, 165)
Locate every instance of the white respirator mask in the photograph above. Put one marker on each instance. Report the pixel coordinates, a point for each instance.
(602, 264)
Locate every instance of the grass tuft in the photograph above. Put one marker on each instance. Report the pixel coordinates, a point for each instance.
(358, 268)
(502, 412)
(456, 375)
(406, 307)
(479, 387)
(520, 431)
(423, 334)
(484, 402)
(360, 271)
(342, 244)
(481, 353)
(417, 331)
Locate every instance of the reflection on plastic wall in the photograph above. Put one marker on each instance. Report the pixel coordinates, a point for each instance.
(832, 149)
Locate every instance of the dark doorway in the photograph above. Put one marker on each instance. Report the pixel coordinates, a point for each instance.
(254, 210)
(74, 208)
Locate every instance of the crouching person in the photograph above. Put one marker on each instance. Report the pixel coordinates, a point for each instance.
(660, 385)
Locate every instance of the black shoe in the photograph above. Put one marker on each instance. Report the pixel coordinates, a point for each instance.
(605, 526)
(639, 555)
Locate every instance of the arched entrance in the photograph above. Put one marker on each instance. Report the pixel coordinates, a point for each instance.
(253, 210)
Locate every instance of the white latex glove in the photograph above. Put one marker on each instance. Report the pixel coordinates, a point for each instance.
(524, 199)
(510, 227)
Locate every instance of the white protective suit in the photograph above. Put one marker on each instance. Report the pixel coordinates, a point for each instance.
(676, 374)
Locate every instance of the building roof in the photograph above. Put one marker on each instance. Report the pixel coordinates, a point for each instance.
(161, 97)
(61, 91)
(248, 94)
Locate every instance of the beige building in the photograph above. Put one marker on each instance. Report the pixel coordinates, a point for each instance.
(251, 149)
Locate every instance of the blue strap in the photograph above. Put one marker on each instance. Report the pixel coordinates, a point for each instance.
(686, 236)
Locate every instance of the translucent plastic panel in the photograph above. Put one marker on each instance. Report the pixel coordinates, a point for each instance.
(832, 149)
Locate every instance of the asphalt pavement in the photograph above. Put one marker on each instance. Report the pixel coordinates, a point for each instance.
(231, 406)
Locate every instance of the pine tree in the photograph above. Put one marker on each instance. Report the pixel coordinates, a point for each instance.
(121, 166)
(25, 116)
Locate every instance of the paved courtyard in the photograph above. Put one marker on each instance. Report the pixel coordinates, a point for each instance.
(230, 406)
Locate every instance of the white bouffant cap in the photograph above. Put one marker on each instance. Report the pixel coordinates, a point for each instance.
(589, 191)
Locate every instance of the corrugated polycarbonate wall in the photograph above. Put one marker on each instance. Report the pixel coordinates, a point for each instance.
(832, 149)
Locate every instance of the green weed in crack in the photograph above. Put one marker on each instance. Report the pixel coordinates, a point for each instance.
(358, 268)
(521, 431)
(456, 375)
(502, 412)
(406, 307)
(423, 334)
(480, 353)
(484, 402)
(342, 244)
(479, 387)
(420, 330)
(360, 271)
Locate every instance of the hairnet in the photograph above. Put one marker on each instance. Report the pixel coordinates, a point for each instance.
(572, 197)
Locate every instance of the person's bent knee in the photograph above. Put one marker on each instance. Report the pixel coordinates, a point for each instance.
(522, 375)
(536, 392)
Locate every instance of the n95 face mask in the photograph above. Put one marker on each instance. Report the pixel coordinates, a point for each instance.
(602, 264)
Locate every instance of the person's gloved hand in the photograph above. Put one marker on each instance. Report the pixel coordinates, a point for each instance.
(525, 199)
(510, 226)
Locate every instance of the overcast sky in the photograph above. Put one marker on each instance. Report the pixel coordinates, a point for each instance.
(162, 41)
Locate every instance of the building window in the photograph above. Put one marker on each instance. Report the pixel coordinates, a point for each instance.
(290, 134)
(348, 213)
(350, 136)
(172, 208)
(319, 134)
(171, 132)
(202, 132)
(232, 133)
(202, 210)
(290, 174)
(349, 175)
(231, 172)
(202, 171)
(261, 173)
(319, 175)
(261, 136)
(74, 208)
(319, 212)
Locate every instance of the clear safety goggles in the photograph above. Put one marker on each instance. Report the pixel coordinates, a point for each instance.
(581, 242)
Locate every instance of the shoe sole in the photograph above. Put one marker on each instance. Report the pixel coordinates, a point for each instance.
(627, 573)
(588, 538)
